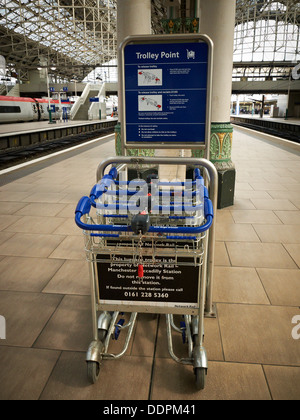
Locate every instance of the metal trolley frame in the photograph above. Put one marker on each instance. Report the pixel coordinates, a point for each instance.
(185, 242)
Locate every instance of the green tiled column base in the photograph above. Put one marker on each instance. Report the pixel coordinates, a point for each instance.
(220, 145)
(220, 156)
(118, 144)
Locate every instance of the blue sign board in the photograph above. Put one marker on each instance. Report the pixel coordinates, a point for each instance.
(94, 99)
(52, 108)
(166, 92)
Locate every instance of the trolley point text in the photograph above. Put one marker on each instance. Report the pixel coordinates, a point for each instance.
(155, 56)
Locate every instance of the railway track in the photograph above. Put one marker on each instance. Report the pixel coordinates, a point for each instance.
(18, 155)
(283, 131)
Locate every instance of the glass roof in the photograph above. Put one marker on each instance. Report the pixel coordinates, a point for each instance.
(67, 33)
(77, 36)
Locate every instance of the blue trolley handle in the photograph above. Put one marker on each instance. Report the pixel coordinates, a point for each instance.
(84, 207)
(103, 186)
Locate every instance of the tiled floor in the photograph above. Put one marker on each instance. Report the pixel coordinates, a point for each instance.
(44, 289)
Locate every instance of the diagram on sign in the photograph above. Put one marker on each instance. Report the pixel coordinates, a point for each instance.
(150, 102)
(151, 77)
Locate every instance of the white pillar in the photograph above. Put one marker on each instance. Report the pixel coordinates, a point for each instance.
(133, 18)
(218, 21)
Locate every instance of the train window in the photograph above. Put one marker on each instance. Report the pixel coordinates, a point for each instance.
(10, 109)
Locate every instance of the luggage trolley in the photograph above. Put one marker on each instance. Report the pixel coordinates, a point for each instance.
(149, 246)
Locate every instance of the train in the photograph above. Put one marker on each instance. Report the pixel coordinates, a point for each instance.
(17, 109)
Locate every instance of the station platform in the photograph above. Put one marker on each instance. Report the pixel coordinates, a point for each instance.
(293, 121)
(31, 133)
(252, 345)
(288, 129)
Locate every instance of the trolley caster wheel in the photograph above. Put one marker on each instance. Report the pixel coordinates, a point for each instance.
(200, 374)
(93, 371)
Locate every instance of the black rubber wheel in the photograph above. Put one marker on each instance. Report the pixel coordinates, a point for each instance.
(200, 374)
(93, 371)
